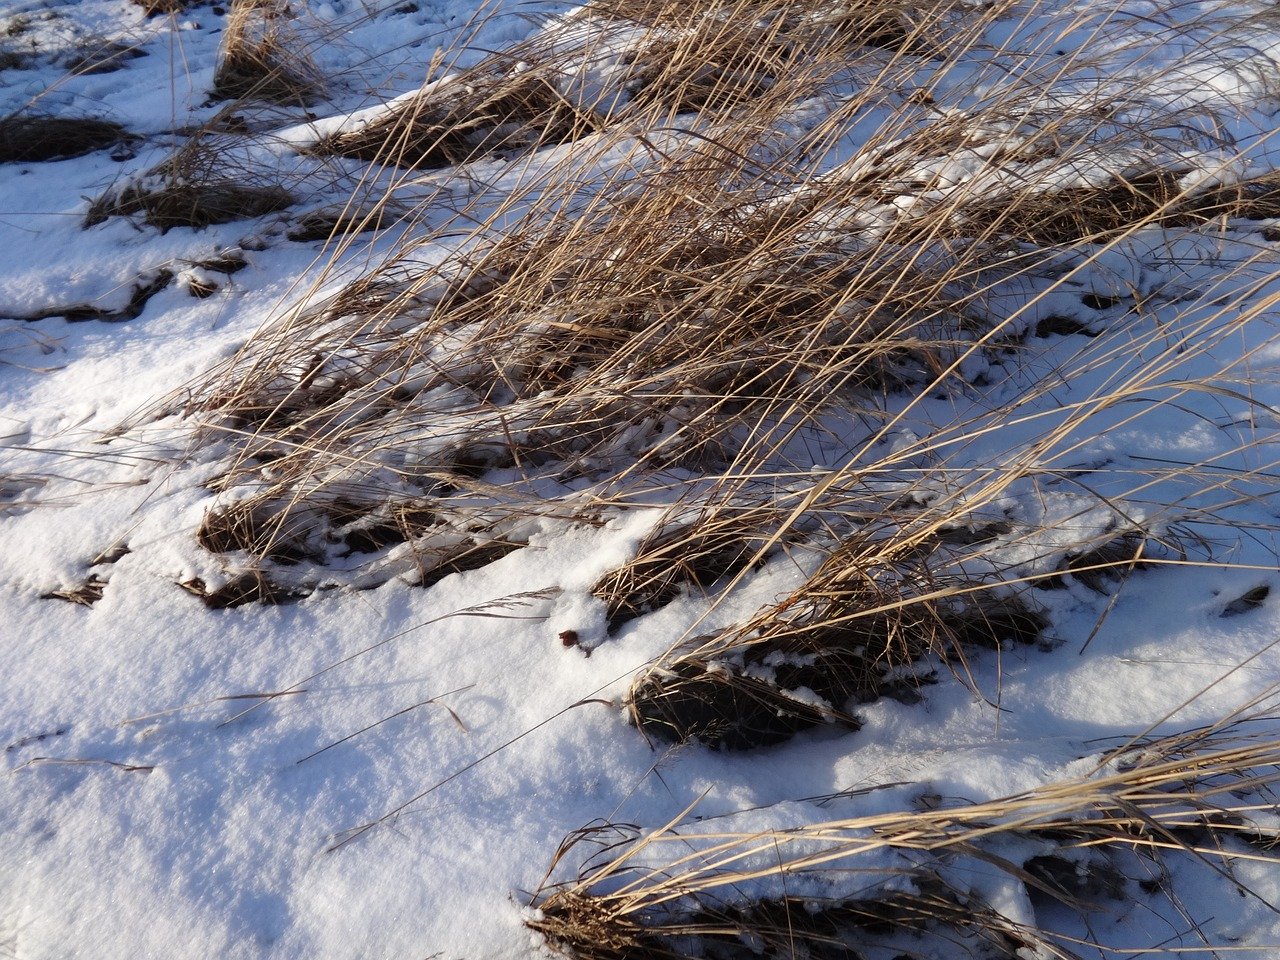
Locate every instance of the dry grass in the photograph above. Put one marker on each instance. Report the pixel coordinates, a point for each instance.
(85, 594)
(682, 891)
(200, 184)
(715, 306)
(665, 60)
(339, 221)
(263, 56)
(32, 138)
(186, 204)
(683, 553)
(157, 8)
(709, 305)
(455, 125)
(849, 635)
(723, 302)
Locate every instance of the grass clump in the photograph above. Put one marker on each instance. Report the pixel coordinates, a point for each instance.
(180, 203)
(640, 64)
(680, 555)
(103, 57)
(719, 304)
(462, 120)
(835, 357)
(199, 185)
(158, 8)
(34, 138)
(852, 633)
(85, 594)
(864, 885)
(338, 221)
(263, 56)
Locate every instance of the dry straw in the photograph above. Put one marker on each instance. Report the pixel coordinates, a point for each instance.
(725, 258)
(689, 284)
(34, 137)
(698, 289)
(263, 55)
(679, 891)
(205, 181)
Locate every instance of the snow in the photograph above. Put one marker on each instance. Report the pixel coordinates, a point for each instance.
(185, 781)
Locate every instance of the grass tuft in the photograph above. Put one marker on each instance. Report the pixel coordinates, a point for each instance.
(263, 56)
(158, 8)
(850, 634)
(685, 890)
(660, 60)
(199, 185)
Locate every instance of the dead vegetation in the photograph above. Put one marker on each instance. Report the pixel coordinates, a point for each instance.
(199, 185)
(678, 556)
(610, 391)
(463, 123)
(251, 586)
(103, 57)
(662, 60)
(340, 221)
(35, 138)
(181, 203)
(157, 8)
(777, 929)
(703, 300)
(715, 306)
(143, 289)
(691, 890)
(851, 634)
(1094, 214)
(85, 594)
(714, 316)
(263, 56)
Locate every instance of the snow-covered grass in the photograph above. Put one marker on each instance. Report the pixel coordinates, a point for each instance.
(744, 478)
(1069, 841)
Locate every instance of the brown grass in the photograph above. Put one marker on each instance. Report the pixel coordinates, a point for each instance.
(84, 594)
(178, 204)
(33, 138)
(679, 891)
(263, 56)
(199, 185)
(669, 60)
(156, 8)
(697, 305)
(849, 634)
(683, 554)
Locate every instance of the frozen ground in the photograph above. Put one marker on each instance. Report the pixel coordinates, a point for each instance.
(157, 803)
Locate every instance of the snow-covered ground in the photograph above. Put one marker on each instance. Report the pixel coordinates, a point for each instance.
(375, 769)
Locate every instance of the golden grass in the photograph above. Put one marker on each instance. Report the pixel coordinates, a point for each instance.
(679, 891)
(156, 8)
(199, 184)
(263, 55)
(665, 60)
(694, 287)
(711, 299)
